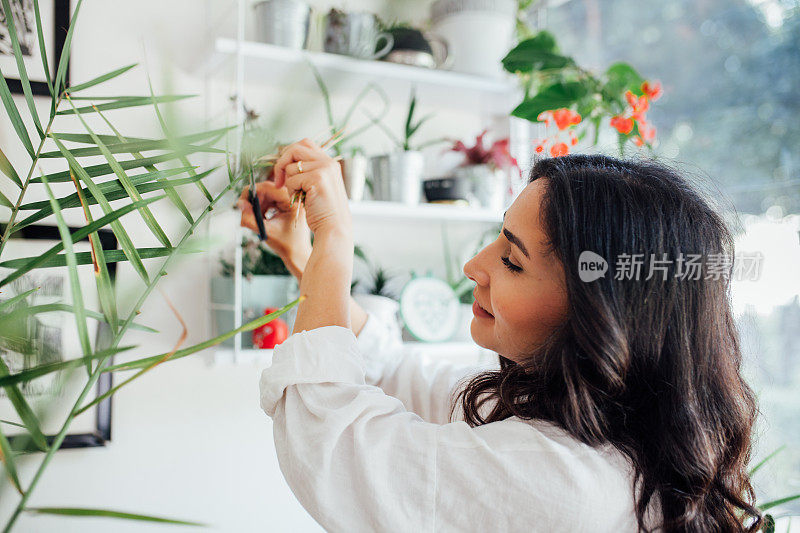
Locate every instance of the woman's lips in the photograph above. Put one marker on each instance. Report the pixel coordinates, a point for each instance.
(479, 311)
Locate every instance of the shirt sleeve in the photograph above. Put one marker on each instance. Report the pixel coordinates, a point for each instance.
(425, 388)
(358, 460)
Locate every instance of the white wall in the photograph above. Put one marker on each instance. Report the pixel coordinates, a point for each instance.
(190, 440)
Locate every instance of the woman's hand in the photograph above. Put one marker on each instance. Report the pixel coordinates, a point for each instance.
(288, 234)
(305, 167)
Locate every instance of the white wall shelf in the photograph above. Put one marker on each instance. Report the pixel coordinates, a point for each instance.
(270, 64)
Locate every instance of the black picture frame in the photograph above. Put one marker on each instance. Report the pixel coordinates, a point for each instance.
(101, 434)
(61, 16)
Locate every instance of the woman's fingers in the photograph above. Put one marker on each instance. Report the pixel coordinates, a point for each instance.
(293, 153)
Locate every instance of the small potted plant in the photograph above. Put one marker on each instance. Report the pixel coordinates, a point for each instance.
(397, 176)
(376, 296)
(485, 169)
(353, 162)
(265, 283)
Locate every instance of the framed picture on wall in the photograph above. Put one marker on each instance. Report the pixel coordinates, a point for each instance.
(51, 336)
(55, 22)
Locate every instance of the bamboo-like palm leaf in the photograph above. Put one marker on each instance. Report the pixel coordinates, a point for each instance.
(27, 264)
(21, 70)
(144, 211)
(85, 258)
(779, 501)
(63, 62)
(104, 169)
(165, 129)
(42, 48)
(5, 201)
(7, 169)
(100, 79)
(62, 307)
(171, 193)
(115, 194)
(75, 511)
(74, 280)
(764, 461)
(122, 236)
(253, 324)
(126, 102)
(24, 411)
(38, 371)
(6, 304)
(14, 116)
(116, 146)
(7, 457)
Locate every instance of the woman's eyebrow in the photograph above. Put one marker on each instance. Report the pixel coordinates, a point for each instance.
(513, 239)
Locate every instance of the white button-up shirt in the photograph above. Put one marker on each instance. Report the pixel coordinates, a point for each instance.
(364, 439)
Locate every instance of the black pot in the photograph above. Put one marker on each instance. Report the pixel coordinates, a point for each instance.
(449, 188)
(410, 39)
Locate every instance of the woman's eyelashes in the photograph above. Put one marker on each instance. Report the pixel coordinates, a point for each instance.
(511, 266)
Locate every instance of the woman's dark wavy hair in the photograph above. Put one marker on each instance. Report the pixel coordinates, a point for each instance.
(651, 366)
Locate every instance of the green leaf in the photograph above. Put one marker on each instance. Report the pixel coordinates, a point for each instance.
(38, 371)
(24, 411)
(14, 116)
(7, 456)
(123, 238)
(42, 48)
(5, 201)
(537, 53)
(100, 79)
(165, 129)
(8, 170)
(74, 280)
(620, 77)
(764, 461)
(104, 168)
(21, 70)
(5, 304)
(116, 146)
(85, 258)
(111, 187)
(779, 501)
(115, 194)
(63, 61)
(62, 307)
(171, 193)
(147, 361)
(144, 211)
(25, 266)
(556, 96)
(126, 102)
(75, 511)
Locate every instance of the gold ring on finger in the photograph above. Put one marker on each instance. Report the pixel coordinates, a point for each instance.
(300, 166)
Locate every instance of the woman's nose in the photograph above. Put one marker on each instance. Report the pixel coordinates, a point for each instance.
(474, 272)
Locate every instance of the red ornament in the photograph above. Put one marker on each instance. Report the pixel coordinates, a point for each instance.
(272, 333)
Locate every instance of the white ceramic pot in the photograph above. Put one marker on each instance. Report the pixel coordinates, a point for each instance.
(354, 172)
(479, 33)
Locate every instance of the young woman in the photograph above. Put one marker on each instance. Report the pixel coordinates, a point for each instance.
(618, 404)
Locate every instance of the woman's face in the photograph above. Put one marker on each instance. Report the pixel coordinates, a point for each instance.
(520, 287)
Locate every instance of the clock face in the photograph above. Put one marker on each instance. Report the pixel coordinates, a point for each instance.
(429, 309)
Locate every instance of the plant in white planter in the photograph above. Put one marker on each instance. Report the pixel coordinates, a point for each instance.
(486, 169)
(397, 176)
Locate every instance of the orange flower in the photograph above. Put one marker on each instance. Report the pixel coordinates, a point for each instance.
(640, 105)
(652, 90)
(544, 116)
(622, 124)
(572, 138)
(638, 141)
(539, 148)
(559, 149)
(647, 131)
(565, 117)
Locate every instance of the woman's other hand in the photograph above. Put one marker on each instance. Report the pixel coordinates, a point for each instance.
(288, 234)
(305, 167)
